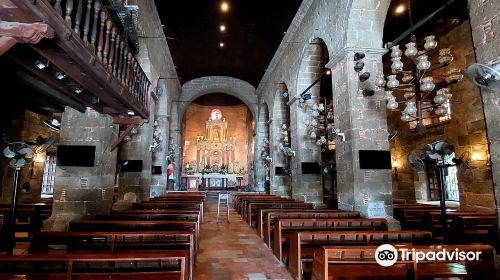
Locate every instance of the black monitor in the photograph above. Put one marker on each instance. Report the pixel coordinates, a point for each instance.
(374, 159)
(279, 170)
(80, 156)
(132, 166)
(157, 170)
(310, 168)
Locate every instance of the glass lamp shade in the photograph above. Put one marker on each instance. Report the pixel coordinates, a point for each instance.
(392, 82)
(315, 106)
(410, 108)
(427, 84)
(453, 75)
(439, 99)
(284, 127)
(396, 52)
(423, 63)
(443, 91)
(321, 107)
(380, 81)
(407, 78)
(408, 95)
(411, 49)
(285, 139)
(430, 43)
(397, 65)
(406, 117)
(388, 95)
(441, 110)
(313, 135)
(392, 104)
(314, 123)
(322, 139)
(445, 56)
(315, 114)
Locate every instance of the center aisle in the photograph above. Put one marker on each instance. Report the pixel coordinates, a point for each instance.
(233, 251)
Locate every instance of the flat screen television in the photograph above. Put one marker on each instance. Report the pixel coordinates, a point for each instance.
(132, 166)
(157, 170)
(374, 159)
(310, 168)
(279, 170)
(80, 156)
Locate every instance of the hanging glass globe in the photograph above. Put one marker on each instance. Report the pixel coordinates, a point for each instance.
(392, 104)
(392, 82)
(313, 135)
(388, 95)
(396, 52)
(283, 126)
(427, 84)
(380, 80)
(406, 117)
(321, 107)
(411, 49)
(430, 43)
(408, 95)
(315, 114)
(439, 99)
(441, 110)
(423, 63)
(453, 75)
(315, 106)
(397, 65)
(406, 78)
(314, 123)
(410, 108)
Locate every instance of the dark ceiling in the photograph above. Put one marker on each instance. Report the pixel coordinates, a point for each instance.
(218, 99)
(255, 29)
(397, 23)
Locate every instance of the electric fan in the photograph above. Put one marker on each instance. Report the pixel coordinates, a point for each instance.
(20, 154)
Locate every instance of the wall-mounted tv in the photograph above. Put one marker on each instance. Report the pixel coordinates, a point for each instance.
(132, 166)
(157, 170)
(374, 159)
(80, 156)
(279, 170)
(310, 168)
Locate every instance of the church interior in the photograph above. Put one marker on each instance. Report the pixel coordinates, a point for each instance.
(249, 140)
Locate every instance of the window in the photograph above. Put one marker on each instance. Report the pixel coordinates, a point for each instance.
(49, 175)
(450, 181)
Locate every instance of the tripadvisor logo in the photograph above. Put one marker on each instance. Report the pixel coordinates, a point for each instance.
(387, 255)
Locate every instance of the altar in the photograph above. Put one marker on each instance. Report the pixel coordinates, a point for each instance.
(209, 181)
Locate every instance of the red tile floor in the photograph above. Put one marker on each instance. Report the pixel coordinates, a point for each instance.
(234, 251)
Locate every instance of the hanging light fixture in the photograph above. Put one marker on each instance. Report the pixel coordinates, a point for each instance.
(421, 93)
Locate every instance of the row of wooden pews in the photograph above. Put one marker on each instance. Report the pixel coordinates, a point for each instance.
(157, 239)
(335, 244)
(29, 217)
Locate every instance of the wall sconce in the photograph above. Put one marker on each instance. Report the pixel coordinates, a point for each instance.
(39, 158)
(475, 156)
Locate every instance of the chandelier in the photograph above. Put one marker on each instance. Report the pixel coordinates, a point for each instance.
(284, 144)
(265, 154)
(422, 91)
(321, 128)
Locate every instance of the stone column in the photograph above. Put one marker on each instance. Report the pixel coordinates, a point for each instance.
(82, 192)
(135, 186)
(484, 19)
(259, 169)
(159, 181)
(364, 122)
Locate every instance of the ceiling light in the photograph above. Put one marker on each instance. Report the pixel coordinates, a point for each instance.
(221, 44)
(78, 90)
(222, 28)
(130, 113)
(41, 64)
(400, 9)
(328, 72)
(224, 6)
(60, 75)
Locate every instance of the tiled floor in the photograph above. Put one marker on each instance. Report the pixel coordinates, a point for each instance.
(234, 251)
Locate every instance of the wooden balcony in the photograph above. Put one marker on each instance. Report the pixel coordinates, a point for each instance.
(89, 58)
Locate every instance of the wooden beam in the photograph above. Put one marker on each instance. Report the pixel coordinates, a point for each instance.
(122, 136)
(129, 121)
(31, 33)
(6, 43)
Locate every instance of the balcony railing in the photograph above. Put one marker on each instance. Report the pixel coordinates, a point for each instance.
(90, 20)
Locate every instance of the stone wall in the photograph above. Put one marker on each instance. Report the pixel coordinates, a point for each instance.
(485, 23)
(466, 130)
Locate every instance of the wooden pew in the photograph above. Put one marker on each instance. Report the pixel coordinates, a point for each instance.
(412, 218)
(399, 208)
(432, 220)
(239, 196)
(285, 227)
(244, 203)
(474, 229)
(176, 205)
(354, 262)
(157, 265)
(272, 216)
(304, 244)
(242, 199)
(113, 242)
(29, 217)
(135, 226)
(254, 207)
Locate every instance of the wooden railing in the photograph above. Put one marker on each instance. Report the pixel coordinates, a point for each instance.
(90, 20)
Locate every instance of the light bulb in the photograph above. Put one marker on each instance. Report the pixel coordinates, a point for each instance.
(392, 82)
(410, 108)
(423, 63)
(392, 104)
(411, 49)
(426, 84)
(440, 99)
(380, 81)
(396, 52)
(397, 65)
(430, 43)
